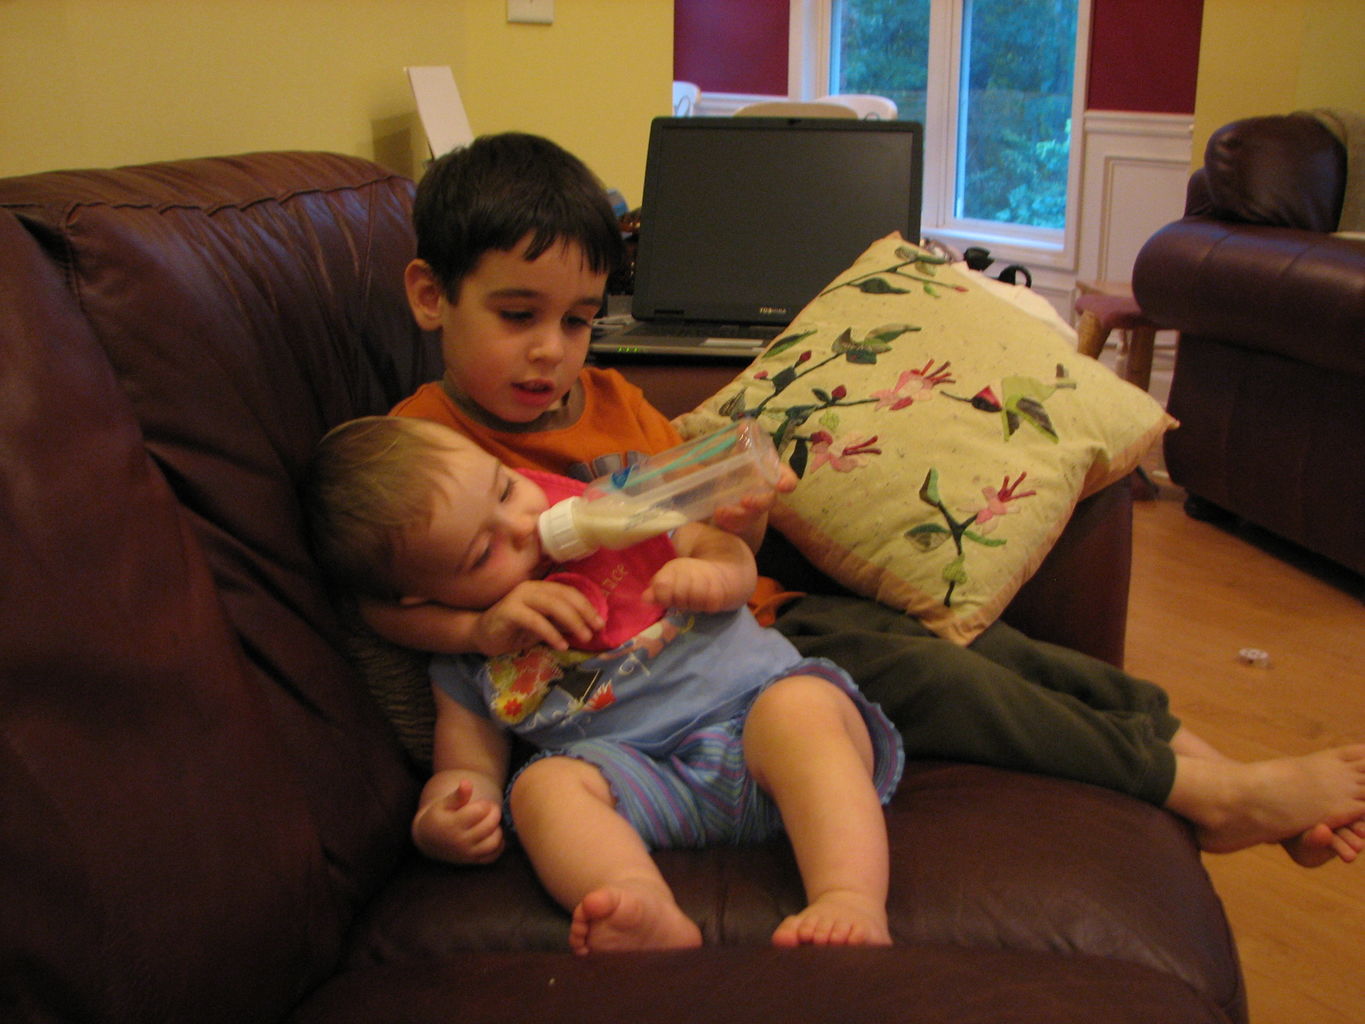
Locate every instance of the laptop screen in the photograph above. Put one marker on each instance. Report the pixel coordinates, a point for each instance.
(746, 219)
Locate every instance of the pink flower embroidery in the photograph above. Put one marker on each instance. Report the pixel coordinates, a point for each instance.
(998, 502)
(913, 386)
(840, 454)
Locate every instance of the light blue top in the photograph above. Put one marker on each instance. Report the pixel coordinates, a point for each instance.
(685, 671)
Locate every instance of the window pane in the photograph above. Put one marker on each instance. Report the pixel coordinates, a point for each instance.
(882, 47)
(1014, 119)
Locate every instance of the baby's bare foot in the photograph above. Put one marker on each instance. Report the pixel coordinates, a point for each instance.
(627, 917)
(836, 919)
(1287, 800)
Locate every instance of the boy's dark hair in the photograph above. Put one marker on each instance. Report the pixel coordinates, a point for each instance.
(500, 188)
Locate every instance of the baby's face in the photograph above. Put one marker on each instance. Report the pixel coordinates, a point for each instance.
(482, 539)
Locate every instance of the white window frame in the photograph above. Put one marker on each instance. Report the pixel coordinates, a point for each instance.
(808, 77)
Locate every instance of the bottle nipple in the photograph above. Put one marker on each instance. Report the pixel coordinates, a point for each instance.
(559, 536)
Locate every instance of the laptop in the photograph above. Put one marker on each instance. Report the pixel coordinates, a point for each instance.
(746, 219)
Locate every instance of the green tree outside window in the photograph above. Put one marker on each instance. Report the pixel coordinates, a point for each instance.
(1014, 120)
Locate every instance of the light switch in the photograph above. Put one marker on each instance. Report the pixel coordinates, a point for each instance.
(536, 12)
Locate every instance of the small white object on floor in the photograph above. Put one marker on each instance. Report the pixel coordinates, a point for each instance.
(1254, 657)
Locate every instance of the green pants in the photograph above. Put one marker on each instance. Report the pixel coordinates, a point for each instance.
(1005, 701)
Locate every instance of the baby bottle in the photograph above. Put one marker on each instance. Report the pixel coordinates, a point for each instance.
(665, 491)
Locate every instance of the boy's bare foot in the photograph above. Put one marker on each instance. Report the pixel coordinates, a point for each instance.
(836, 919)
(627, 917)
(1285, 799)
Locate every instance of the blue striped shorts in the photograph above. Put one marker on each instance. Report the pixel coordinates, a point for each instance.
(702, 793)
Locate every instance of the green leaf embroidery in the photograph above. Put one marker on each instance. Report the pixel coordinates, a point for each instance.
(1033, 411)
(928, 491)
(880, 286)
(733, 408)
(955, 572)
(983, 540)
(928, 536)
(785, 342)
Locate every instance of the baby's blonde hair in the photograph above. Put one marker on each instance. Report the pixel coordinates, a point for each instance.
(370, 481)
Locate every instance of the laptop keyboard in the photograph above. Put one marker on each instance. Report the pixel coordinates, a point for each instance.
(754, 332)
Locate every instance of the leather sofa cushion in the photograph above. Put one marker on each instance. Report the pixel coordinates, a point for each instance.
(1075, 882)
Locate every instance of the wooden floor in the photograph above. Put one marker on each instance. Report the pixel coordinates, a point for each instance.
(1200, 594)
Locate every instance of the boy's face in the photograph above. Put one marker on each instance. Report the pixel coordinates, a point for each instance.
(517, 334)
(482, 538)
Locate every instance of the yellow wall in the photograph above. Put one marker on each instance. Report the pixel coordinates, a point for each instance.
(88, 83)
(1277, 56)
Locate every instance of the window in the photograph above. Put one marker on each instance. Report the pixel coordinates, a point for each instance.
(994, 83)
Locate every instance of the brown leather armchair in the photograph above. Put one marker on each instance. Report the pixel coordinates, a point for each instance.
(1269, 382)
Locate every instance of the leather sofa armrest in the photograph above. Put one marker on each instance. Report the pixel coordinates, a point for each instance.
(1288, 292)
(1285, 170)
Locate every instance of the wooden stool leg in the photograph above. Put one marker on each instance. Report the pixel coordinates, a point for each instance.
(1139, 368)
(1090, 336)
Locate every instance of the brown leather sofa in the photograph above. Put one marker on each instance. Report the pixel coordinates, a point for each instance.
(1270, 305)
(204, 817)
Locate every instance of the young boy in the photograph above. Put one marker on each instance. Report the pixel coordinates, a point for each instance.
(515, 240)
(676, 727)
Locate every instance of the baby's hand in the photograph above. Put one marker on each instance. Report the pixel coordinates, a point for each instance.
(537, 611)
(696, 585)
(750, 516)
(459, 829)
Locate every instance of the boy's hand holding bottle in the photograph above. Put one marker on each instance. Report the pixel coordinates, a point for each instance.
(730, 477)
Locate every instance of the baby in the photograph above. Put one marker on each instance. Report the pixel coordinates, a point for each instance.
(662, 713)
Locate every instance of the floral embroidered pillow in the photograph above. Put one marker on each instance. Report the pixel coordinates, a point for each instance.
(941, 434)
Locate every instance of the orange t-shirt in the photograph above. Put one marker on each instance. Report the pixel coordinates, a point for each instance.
(616, 426)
